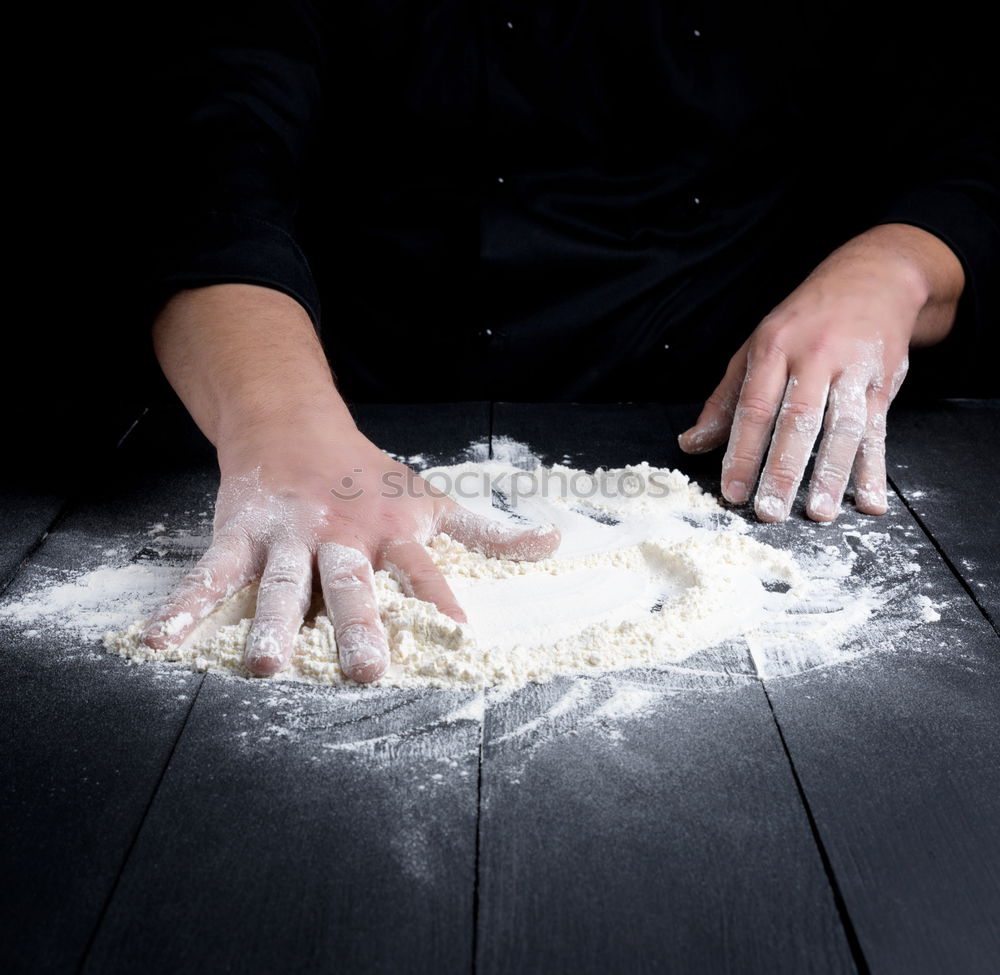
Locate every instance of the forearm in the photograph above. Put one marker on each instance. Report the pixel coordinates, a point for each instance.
(911, 262)
(247, 364)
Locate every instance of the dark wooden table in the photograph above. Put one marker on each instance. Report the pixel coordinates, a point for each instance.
(833, 822)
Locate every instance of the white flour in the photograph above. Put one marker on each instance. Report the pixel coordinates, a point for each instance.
(650, 572)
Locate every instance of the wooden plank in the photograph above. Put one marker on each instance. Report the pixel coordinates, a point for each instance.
(86, 736)
(945, 462)
(899, 759)
(40, 480)
(27, 515)
(606, 434)
(312, 829)
(898, 753)
(672, 840)
(305, 830)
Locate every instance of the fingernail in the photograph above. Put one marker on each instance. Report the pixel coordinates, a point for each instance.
(694, 441)
(363, 656)
(769, 507)
(536, 543)
(262, 665)
(871, 497)
(154, 631)
(822, 506)
(263, 655)
(736, 491)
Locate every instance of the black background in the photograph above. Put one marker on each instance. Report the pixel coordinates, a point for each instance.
(77, 360)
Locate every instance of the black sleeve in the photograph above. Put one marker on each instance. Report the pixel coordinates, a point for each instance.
(235, 110)
(945, 170)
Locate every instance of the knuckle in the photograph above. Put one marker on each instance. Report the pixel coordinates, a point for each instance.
(880, 388)
(720, 402)
(847, 428)
(872, 448)
(875, 428)
(832, 472)
(768, 346)
(340, 522)
(793, 408)
(393, 523)
(771, 324)
(282, 577)
(848, 393)
(741, 456)
(357, 631)
(780, 479)
(802, 418)
(270, 621)
(234, 536)
(345, 583)
(200, 578)
(820, 345)
(424, 575)
(756, 410)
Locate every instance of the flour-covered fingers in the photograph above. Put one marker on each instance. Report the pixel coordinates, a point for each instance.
(497, 539)
(419, 577)
(282, 601)
(869, 463)
(753, 419)
(716, 418)
(348, 584)
(843, 428)
(228, 565)
(795, 431)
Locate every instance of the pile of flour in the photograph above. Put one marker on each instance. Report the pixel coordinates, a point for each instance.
(650, 571)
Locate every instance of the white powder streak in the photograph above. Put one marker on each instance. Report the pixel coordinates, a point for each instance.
(643, 579)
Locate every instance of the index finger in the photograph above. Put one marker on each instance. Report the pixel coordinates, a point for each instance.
(752, 422)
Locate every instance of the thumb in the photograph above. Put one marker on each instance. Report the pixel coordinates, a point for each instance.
(498, 539)
(716, 418)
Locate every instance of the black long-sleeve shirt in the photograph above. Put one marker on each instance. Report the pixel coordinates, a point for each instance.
(565, 199)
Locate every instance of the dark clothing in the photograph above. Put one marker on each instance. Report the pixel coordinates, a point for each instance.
(566, 199)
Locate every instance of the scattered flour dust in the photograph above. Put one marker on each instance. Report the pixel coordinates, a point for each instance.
(651, 571)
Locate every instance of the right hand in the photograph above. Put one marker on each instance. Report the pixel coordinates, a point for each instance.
(294, 503)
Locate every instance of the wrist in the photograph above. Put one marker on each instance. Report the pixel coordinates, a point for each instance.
(286, 433)
(927, 262)
(918, 268)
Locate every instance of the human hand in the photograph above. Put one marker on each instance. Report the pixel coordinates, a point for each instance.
(292, 505)
(837, 345)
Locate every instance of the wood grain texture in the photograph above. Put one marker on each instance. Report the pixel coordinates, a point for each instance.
(595, 434)
(289, 828)
(898, 754)
(302, 831)
(945, 462)
(675, 840)
(313, 829)
(900, 771)
(899, 759)
(27, 515)
(86, 736)
(42, 472)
